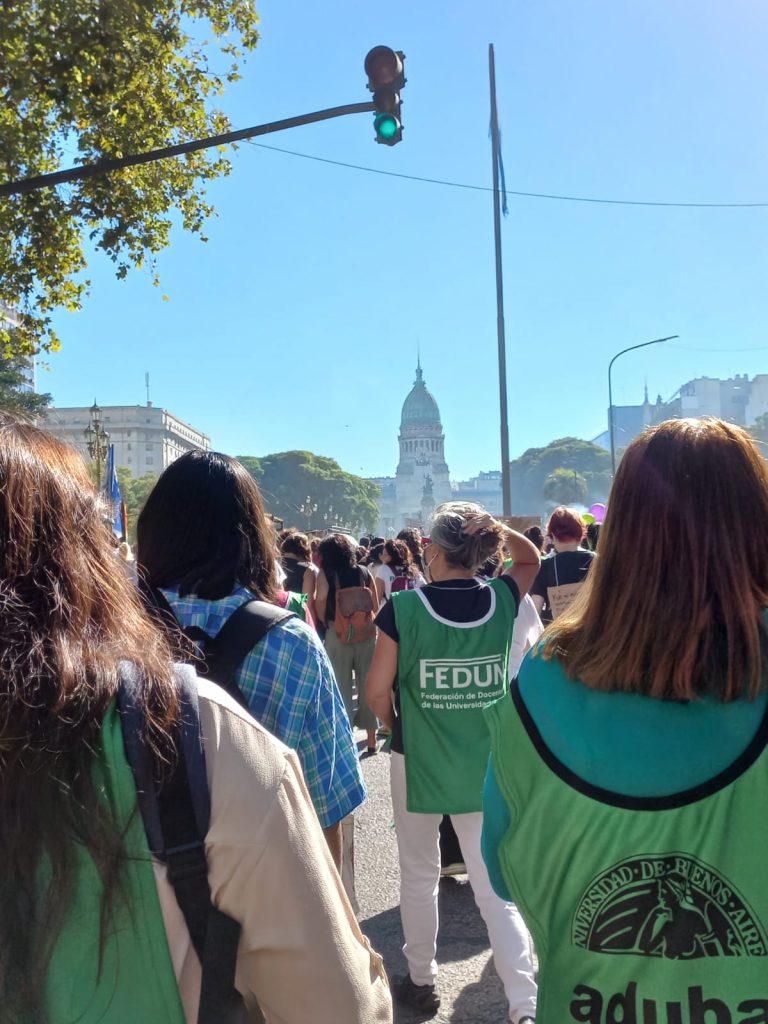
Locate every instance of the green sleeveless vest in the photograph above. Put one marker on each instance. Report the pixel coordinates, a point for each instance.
(137, 981)
(447, 673)
(643, 911)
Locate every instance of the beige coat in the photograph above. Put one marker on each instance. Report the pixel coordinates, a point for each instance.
(302, 954)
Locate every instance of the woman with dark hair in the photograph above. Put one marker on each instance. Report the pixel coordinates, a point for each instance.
(536, 536)
(442, 655)
(397, 570)
(625, 805)
(205, 542)
(412, 538)
(300, 573)
(351, 661)
(563, 572)
(373, 560)
(90, 930)
(593, 536)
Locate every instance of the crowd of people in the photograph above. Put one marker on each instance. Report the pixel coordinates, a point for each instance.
(583, 715)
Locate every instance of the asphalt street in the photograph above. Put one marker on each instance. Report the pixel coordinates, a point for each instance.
(470, 988)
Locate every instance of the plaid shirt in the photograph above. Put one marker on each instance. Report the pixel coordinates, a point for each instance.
(291, 690)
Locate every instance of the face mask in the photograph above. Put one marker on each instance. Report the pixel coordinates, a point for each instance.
(427, 564)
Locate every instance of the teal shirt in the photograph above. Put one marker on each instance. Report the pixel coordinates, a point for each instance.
(622, 742)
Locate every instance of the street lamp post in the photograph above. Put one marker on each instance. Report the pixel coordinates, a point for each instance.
(611, 425)
(308, 509)
(96, 439)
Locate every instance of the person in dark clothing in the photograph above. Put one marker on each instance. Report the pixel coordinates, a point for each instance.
(300, 574)
(593, 536)
(536, 536)
(568, 565)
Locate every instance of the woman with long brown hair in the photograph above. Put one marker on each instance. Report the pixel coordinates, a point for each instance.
(625, 808)
(89, 927)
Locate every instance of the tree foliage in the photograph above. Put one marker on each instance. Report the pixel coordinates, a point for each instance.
(15, 396)
(565, 487)
(759, 429)
(135, 491)
(84, 80)
(293, 483)
(531, 471)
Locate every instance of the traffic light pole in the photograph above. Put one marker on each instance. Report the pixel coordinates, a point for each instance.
(22, 185)
(506, 490)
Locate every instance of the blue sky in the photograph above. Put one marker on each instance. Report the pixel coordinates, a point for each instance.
(297, 325)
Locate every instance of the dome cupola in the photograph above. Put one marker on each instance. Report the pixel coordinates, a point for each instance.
(420, 408)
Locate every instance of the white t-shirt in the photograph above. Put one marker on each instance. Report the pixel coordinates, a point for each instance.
(528, 629)
(383, 572)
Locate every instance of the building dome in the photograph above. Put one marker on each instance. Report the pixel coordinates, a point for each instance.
(420, 408)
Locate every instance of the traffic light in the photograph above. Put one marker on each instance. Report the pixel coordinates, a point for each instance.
(386, 77)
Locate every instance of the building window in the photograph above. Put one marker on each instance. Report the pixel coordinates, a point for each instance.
(128, 446)
(149, 461)
(148, 447)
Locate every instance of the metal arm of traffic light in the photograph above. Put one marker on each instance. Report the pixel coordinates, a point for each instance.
(22, 185)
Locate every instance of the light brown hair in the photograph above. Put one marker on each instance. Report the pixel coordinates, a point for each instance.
(464, 550)
(672, 605)
(68, 616)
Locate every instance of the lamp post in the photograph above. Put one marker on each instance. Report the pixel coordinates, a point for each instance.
(611, 425)
(308, 508)
(96, 439)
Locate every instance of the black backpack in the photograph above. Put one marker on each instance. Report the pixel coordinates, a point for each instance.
(176, 809)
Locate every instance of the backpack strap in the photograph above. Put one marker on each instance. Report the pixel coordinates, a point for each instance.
(220, 657)
(245, 628)
(176, 814)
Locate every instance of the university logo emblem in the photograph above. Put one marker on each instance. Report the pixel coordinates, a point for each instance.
(672, 906)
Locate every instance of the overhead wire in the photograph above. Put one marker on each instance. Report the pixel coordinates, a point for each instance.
(509, 191)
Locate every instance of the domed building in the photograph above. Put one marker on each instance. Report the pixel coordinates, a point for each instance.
(422, 479)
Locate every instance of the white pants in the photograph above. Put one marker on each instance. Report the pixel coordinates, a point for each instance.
(419, 853)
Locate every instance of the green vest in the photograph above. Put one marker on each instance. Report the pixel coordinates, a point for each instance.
(447, 673)
(643, 911)
(137, 981)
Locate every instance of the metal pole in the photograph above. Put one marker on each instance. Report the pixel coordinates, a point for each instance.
(98, 458)
(611, 426)
(506, 491)
(23, 185)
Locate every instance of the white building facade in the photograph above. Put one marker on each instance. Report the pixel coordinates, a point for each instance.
(422, 479)
(737, 400)
(146, 439)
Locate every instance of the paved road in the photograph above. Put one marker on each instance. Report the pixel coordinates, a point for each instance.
(470, 988)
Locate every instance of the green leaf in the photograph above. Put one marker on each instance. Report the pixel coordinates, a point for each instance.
(101, 80)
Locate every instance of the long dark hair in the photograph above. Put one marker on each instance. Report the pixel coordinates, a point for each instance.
(400, 558)
(672, 605)
(68, 616)
(412, 537)
(204, 531)
(337, 553)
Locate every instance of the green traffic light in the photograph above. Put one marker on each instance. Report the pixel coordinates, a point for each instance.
(387, 127)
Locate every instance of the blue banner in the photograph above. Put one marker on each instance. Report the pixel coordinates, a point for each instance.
(113, 495)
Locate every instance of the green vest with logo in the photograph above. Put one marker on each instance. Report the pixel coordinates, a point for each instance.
(447, 673)
(643, 910)
(136, 981)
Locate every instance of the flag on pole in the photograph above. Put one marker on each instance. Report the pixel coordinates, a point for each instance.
(113, 495)
(503, 182)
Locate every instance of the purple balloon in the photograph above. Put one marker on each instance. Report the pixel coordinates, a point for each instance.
(598, 511)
